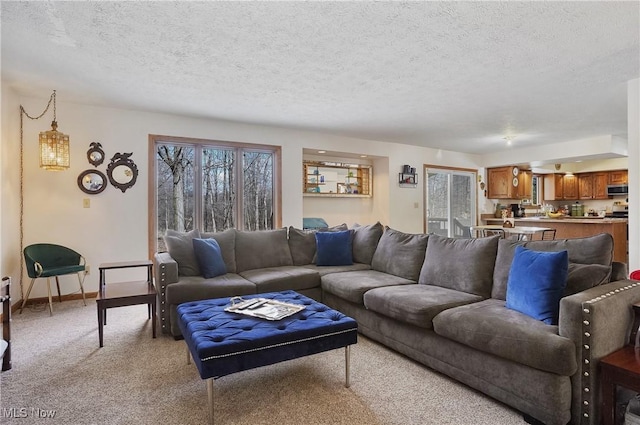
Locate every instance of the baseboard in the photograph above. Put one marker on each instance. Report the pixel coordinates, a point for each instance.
(45, 300)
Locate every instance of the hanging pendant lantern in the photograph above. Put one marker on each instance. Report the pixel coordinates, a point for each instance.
(54, 149)
(54, 145)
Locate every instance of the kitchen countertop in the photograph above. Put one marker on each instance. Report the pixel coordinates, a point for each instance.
(582, 220)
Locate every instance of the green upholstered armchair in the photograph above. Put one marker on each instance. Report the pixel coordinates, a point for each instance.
(49, 260)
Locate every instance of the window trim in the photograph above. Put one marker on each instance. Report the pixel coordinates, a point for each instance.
(152, 195)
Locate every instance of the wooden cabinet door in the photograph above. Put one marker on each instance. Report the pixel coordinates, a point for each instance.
(570, 187)
(618, 177)
(525, 181)
(499, 183)
(558, 186)
(600, 181)
(585, 186)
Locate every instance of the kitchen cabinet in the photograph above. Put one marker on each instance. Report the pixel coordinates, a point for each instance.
(585, 186)
(618, 177)
(509, 183)
(525, 184)
(600, 181)
(593, 185)
(566, 187)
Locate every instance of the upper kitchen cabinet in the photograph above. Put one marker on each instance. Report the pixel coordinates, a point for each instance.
(593, 185)
(618, 177)
(563, 187)
(525, 184)
(509, 183)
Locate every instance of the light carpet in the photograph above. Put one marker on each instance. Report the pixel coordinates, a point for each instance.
(134, 379)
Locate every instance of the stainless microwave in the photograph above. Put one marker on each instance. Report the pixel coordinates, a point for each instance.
(617, 189)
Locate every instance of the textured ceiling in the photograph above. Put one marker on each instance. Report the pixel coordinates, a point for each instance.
(451, 75)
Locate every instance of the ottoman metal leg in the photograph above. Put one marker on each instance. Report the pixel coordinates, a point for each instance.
(188, 355)
(210, 396)
(347, 358)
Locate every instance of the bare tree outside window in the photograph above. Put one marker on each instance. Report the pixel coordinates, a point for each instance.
(212, 188)
(258, 191)
(218, 170)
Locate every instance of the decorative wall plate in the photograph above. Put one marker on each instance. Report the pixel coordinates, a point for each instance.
(515, 182)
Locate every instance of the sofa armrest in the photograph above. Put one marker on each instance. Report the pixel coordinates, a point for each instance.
(166, 272)
(598, 321)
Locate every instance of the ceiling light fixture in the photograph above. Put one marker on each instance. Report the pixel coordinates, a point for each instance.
(509, 139)
(322, 151)
(54, 145)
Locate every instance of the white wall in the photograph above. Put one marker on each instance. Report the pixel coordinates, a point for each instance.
(114, 228)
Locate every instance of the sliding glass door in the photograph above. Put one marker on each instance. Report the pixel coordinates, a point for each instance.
(450, 197)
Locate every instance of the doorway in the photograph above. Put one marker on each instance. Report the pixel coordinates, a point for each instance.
(450, 199)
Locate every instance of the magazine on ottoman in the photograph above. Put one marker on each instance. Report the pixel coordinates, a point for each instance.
(263, 308)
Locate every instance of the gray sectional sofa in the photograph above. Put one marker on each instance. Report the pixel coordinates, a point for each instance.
(440, 301)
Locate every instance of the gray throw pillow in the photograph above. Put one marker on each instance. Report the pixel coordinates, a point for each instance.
(260, 249)
(365, 242)
(400, 254)
(227, 242)
(461, 264)
(590, 261)
(302, 244)
(180, 247)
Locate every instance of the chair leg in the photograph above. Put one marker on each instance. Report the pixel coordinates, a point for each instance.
(50, 300)
(81, 280)
(58, 286)
(24, 302)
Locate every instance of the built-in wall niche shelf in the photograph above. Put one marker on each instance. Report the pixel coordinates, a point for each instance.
(336, 179)
(408, 179)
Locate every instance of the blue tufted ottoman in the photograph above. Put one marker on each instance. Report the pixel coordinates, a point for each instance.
(222, 343)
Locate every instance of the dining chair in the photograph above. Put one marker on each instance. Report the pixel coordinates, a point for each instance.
(474, 232)
(50, 260)
(493, 232)
(548, 235)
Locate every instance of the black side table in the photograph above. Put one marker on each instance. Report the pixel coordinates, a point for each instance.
(120, 294)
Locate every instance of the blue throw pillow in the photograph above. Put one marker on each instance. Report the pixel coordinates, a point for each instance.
(536, 283)
(209, 257)
(334, 248)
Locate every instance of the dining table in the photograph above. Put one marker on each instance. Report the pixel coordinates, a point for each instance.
(521, 232)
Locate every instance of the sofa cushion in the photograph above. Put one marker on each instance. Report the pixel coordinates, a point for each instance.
(415, 304)
(400, 254)
(180, 247)
(365, 241)
(334, 248)
(323, 270)
(536, 283)
(589, 253)
(351, 286)
(209, 257)
(261, 249)
(490, 327)
(227, 242)
(193, 288)
(281, 278)
(460, 264)
(302, 244)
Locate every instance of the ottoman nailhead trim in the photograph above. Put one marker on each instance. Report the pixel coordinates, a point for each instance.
(587, 410)
(220, 356)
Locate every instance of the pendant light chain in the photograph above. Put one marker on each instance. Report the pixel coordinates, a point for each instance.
(22, 114)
